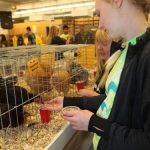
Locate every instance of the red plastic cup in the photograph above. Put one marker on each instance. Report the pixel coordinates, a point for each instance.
(94, 74)
(80, 85)
(38, 101)
(45, 115)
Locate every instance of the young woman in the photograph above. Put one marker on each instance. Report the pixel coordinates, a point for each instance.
(120, 118)
(104, 48)
(53, 37)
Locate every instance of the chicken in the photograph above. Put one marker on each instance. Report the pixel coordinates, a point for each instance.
(61, 80)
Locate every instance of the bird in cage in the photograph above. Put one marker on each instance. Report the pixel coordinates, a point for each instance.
(78, 73)
(12, 100)
(39, 81)
(38, 78)
(46, 62)
(61, 80)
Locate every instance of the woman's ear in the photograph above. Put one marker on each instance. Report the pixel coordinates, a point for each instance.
(117, 3)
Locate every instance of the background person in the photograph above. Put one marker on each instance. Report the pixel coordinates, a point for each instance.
(84, 36)
(31, 36)
(53, 37)
(65, 34)
(104, 48)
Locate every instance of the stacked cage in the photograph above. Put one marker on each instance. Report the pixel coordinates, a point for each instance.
(31, 77)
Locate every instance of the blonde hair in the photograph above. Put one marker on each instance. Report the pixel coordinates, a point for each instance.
(107, 68)
(140, 2)
(52, 33)
(143, 4)
(103, 68)
(101, 36)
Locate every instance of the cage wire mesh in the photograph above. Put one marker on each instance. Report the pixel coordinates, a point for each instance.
(32, 76)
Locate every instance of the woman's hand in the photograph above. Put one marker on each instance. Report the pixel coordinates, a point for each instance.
(79, 119)
(55, 104)
(87, 92)
(69, 39)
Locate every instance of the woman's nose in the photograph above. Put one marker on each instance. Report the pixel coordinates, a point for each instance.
(99, 47)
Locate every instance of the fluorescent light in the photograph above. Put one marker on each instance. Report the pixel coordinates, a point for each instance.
(62, 15)
(54, 8)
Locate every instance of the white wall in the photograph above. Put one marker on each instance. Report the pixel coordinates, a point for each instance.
(5, 6)
(3, 31)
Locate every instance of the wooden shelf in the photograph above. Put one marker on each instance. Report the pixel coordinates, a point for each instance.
(75, 23)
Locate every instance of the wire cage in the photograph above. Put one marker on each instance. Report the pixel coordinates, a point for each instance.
(31, 76)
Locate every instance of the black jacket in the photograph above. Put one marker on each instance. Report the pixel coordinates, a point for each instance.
(128, 126)
(115, 46)
(58, 41)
